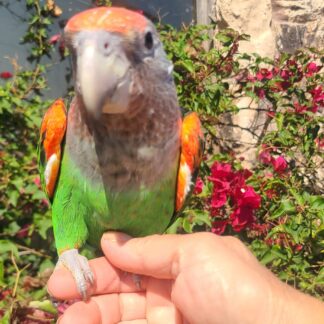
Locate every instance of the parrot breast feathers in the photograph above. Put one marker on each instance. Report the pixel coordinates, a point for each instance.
(52, 134)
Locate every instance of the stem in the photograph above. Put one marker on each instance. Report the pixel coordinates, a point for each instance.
(32, 84)
(32, 251)
(18, 273)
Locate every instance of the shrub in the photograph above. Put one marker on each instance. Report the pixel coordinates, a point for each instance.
(277, 207)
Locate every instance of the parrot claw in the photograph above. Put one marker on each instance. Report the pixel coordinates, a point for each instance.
(78, 265)
(137, 281)
(136, 278)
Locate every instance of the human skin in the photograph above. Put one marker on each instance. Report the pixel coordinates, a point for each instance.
(196, 278)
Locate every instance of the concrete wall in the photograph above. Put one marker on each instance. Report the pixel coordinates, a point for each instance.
(274, 25)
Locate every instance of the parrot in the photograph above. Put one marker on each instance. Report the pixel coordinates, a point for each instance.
(121, 155)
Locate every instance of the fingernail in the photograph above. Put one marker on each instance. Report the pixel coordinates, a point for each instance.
(116, 237)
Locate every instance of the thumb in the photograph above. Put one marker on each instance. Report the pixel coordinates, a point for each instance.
(156, 255)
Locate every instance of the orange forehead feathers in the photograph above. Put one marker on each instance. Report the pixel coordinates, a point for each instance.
(111, 19)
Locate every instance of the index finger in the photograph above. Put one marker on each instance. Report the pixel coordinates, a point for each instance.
(107, 279)
(158, 256)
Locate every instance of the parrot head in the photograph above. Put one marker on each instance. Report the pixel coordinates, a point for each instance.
(115, 51)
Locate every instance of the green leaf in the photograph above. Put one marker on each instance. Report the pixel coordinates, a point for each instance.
(13, 197)
(8, 246)
(174, 227)
(45, 305)
(279, 121)
(13, 228)
(201, 217)
(18, 183)
(39, 195)
(223, 38)
(268, 257)
(1, 273)
(293, 233)
(316, 202)
(187, 225)
(6, 318)
(286, 207)
(299, 198)
(187, 64)
(47, 21)
(35, 18)
(43, 223)
(276, 251)
(46, 264)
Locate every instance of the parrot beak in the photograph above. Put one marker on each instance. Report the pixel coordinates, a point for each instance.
(103, 73)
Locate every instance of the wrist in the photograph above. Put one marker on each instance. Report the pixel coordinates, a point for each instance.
(291, 306)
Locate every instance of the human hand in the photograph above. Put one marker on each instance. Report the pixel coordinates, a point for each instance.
(197, 278)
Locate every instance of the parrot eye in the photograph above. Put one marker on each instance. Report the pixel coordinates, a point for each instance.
(149, 40)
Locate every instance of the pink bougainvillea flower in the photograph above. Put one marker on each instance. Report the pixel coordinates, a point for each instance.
(295, 70)
(221, 185)
(320, 142)
(241, 218)
(229, 186)
(54, 39)
(220, 171)
(268, 175)
(269, 241)
(275, 70)
(264, 74)
(62, 47)
(279, 164)
(299, 109)
(260, 93)
(221, 176)
(6, 75)
(271, 193)
(314, 108)
(312, 68)
(218, 199)
(251, 78)
(260, 228)
(247, 197)
(292, 63)
(285, 74)
(298, 247)
(45, 202)
(280, 86)
(198, 186)
(219, 226)
(237, 182)
(37, 181)
(62, 306)
(318, 97)
(246, 173)
(23, 232)
(265, 157)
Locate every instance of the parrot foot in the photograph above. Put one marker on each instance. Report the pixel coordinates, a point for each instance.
(78, 265)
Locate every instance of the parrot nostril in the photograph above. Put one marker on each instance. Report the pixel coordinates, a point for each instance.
(106, 45)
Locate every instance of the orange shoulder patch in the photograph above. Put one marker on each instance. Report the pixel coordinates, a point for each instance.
(190, 158)
(52, 132)
(111, 19)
